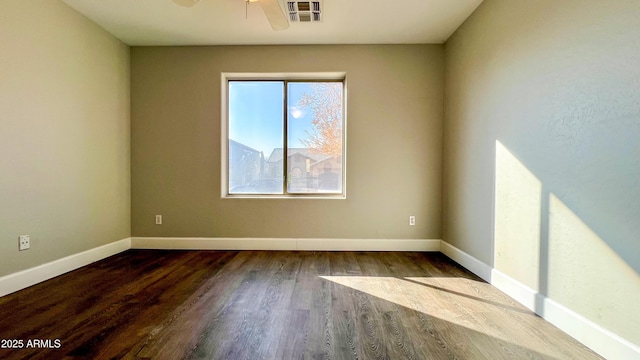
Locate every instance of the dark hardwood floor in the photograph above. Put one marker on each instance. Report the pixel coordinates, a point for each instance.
(147, 304)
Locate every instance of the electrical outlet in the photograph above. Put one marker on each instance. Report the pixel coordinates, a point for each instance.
(24, 242)
(158, 219)
(412, 220)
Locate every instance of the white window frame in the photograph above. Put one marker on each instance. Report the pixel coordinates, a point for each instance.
(224, 131)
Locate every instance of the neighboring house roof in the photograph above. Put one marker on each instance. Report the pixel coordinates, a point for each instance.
(233, 142)
(276, 154)
(327, 159)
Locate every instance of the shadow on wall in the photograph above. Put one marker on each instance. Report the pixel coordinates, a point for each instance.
(540, 242)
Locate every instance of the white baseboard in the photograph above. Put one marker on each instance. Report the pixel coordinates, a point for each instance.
(517, 290)
(25, 278)
(285, 244)
(597, 338)
(469, 262)
(592, 335)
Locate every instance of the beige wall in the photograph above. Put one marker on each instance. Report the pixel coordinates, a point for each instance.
(64, 134)
(541, 153)
(394, 118)
(542, 150)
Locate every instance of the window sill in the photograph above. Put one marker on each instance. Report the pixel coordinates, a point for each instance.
(288, 197)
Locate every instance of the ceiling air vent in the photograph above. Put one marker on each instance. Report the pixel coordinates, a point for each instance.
(304, 11)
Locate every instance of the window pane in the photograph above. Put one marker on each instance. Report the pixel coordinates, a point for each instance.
(256, 123)
(314, 137)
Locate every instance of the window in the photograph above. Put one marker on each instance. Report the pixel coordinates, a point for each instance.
(284, 137)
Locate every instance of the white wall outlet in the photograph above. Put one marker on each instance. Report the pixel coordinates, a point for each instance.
(24, 242)
(412, 220)
(158, 219)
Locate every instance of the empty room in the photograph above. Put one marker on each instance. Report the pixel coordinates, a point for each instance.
(274, 179)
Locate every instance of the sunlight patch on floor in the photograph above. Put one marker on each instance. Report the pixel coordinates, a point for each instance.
(459, 301)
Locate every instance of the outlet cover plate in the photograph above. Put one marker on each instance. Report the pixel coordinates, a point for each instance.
(24, 242)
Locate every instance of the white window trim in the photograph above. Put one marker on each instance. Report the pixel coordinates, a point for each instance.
(225, 77)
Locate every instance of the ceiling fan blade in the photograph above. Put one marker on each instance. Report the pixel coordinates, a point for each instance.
(186, 3)
(274, 14)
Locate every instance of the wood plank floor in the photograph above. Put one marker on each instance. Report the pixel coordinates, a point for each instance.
(148, 304)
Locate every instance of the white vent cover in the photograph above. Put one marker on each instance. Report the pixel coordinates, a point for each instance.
(303, 11)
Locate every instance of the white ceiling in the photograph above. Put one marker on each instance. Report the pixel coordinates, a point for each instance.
(223, 22)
